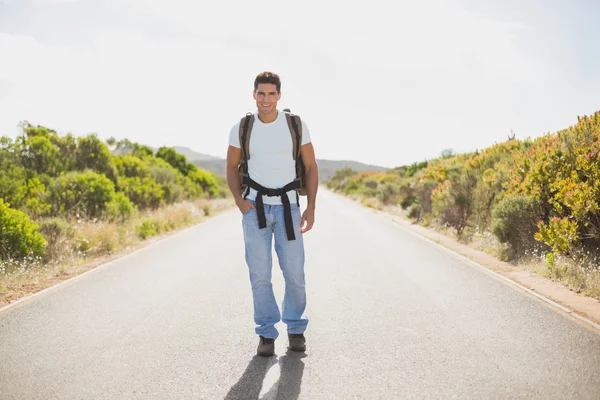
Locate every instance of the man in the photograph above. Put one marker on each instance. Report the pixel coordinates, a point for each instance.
(271, 171)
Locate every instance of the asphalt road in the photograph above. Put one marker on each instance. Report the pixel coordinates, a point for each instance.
(392, 316)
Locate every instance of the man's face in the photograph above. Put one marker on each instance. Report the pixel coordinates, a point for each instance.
(266, 97)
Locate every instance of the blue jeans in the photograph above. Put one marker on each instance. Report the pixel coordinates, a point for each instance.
(258, 244)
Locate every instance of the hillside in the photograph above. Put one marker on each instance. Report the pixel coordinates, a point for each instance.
(192, 155)
(216, 165)
(327, 168)
(213, 164)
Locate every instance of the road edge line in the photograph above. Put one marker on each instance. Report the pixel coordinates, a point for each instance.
(551, 304)
(495, 274)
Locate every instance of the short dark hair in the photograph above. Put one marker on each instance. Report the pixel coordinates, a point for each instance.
(268, 77)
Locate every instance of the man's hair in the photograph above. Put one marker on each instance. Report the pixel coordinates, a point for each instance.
(268, 77)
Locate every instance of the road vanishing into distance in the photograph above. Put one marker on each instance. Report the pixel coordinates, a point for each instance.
(392, 316)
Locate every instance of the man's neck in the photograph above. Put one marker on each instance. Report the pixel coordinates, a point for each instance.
(265, 119)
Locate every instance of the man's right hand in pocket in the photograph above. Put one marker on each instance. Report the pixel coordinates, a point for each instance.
(245, 205)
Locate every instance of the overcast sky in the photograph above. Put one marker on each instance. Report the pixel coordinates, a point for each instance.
(381, 82)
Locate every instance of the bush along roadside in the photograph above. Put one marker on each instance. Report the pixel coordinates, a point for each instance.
(535, 203)
(65, 201)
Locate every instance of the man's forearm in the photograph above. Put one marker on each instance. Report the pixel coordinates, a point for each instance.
(312, 185)
(233, 181)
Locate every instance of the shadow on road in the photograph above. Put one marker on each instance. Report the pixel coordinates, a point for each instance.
(251, 381)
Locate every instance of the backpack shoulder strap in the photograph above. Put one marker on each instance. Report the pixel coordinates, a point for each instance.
(244, 134)
(295, 126)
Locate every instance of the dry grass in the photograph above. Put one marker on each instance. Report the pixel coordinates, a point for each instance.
(371, 203)
(487, 242)
(86, 244)
(575, 275)
(580, 276)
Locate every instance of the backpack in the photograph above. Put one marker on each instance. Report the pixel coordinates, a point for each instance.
(295, 127)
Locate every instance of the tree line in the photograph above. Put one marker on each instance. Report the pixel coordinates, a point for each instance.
(45, 176)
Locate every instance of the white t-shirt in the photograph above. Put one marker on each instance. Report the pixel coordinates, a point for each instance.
(271, 162)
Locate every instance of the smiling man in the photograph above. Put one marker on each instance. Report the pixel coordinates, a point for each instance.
(270, 162)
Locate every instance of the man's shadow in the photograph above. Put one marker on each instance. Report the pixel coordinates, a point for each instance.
(251, 381)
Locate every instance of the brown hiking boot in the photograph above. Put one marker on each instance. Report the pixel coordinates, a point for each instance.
(297, 342)
(266, 347)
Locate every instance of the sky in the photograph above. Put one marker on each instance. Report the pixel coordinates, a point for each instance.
(387, 83)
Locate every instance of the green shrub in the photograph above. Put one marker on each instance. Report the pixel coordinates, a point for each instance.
(423, 191)
(414, 211)
(81, 193)
(148, 228)
(352, 187)
(19, 236)
(453, 201)
(370, 183)
(120, 208)
(13, 178)
(144, 192)
(173, 193)
(35, 200)
(339, 180)
(93, 154)
(407, 202)
(411, 170)
(561, 234)
(41, 156)
(514, 221)
(172, 182)
(387, 193)
(164, 173)
(177, 161)
(130, 166)
(82, 245)
(205, 180)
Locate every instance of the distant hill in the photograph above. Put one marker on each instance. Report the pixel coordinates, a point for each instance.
(192, 156)
(216, 166)
(189, 154)
(327, 168)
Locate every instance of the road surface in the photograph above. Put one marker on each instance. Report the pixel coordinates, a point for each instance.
(392, 316)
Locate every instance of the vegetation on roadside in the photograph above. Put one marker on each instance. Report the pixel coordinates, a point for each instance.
(66, 198)
(526, 199)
